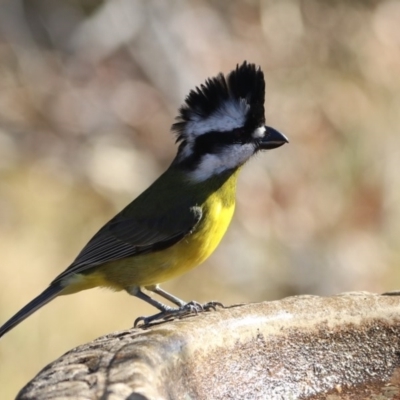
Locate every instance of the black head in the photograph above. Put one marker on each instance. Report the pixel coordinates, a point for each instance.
(222, 122)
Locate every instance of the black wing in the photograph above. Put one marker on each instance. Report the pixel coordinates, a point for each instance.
(125, 237)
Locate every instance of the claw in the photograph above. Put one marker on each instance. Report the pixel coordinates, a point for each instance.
(212, 305)
(193, 307)
(138, 320)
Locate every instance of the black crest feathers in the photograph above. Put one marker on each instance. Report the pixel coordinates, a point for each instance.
(245, 83)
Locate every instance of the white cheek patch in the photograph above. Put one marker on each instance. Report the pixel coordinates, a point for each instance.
(259, 132)
(213, 164)
(231, 115)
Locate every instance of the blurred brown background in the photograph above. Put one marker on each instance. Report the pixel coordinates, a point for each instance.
(88, 92)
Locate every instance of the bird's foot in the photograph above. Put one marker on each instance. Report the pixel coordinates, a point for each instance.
(170, 313)
(192, 307)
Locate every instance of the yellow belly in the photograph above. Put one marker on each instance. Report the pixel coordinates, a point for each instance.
(160, 266)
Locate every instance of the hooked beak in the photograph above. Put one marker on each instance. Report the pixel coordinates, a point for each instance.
(272, 139)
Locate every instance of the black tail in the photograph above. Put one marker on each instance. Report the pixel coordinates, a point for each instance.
(49, 294)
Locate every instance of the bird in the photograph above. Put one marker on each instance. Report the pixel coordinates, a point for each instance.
(179, 220)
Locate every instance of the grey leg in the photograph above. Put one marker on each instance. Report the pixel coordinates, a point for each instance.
(135, 291)
(168, 296)
(166, 312)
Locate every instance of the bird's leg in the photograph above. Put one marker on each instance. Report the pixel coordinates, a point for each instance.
(167, 312)
(189, 307)
(168, 296)
(135, 291)
(180, 303)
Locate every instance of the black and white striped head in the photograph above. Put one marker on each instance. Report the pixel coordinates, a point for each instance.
(222, 124)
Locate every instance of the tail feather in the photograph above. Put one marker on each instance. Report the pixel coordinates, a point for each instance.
(49, 294)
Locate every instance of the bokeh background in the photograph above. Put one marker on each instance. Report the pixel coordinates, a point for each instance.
(88, 92)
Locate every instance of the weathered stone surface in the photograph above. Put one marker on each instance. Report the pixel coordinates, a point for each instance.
(342, 347)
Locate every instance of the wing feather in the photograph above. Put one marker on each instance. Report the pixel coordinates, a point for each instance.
(125, 237)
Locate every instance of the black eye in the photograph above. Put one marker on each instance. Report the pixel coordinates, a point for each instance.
(212, 142)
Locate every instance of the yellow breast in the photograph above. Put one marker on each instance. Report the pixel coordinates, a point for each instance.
(160, 266)
(198, 246)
